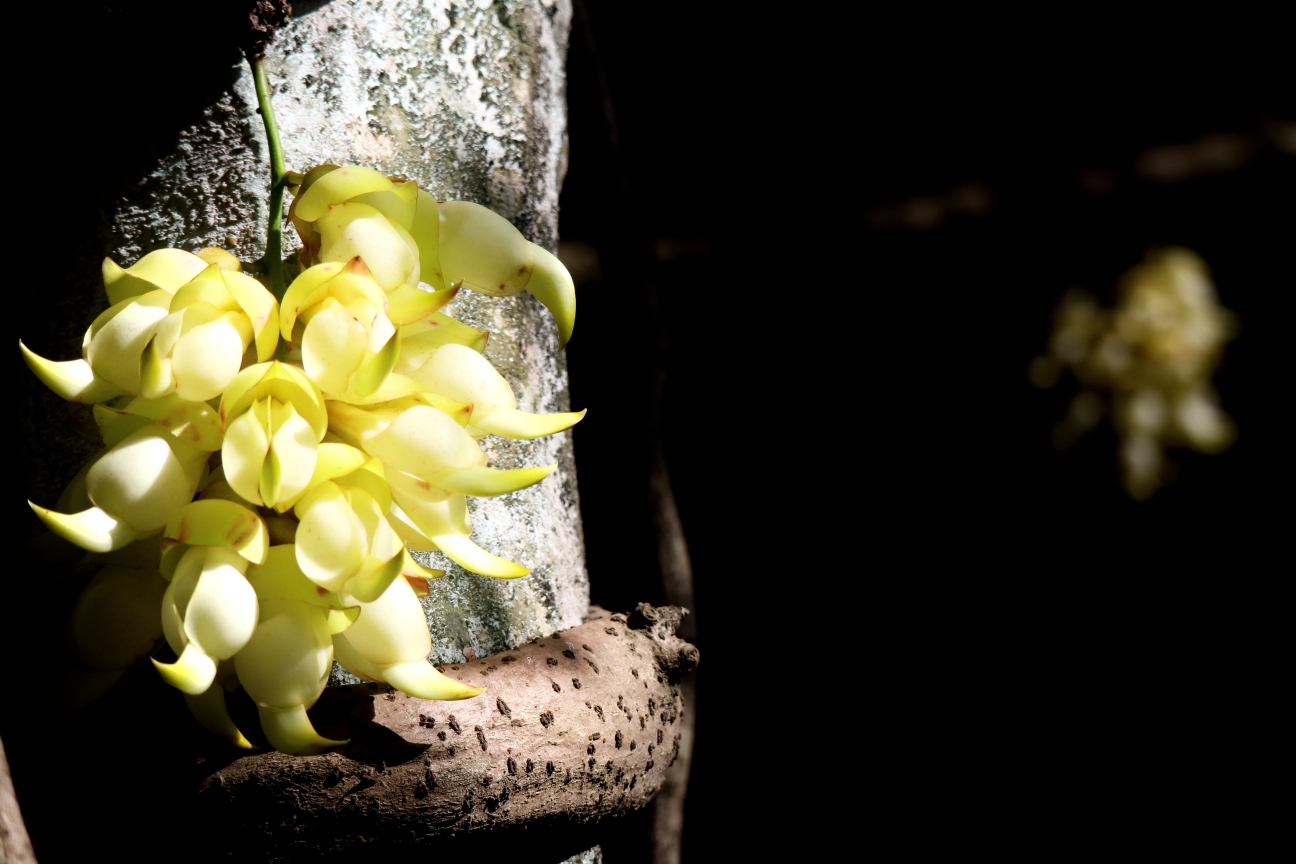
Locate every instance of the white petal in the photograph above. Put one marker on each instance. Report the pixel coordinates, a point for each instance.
(115, 349)
(222, 613)
(423, 441)
(295, 447)
(331, 540)
(244, 450)
(333, 347)
(392, 629)
(280, 665)
(144, 480)
(464, 375)
(206, 359)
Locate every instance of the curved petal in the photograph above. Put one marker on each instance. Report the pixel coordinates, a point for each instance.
(284, 382)
(72, 380)
(331, 540)
(156, 378)
(146, 478)
(216, 522)
(286, 662)
(552, 285)
(305, 291)
(374, 370)
(462, 374)
(167, 269)
(472, 557)
(206, 358)
(208, 708)
(116, 425)
(352, 660)
(339, 620)
(222, 612)
(372, 478)
(482, 481)
(244, 451)
(207, 287)
(421, 680)
(426, 231)
(407, 305)
(440, 329)
(423, 441)
(370, 583)
(193, 422)
(261, 309)
(289, 730)
(333, 347)
(337, 186)
(521, 425)
(192, 673)
(349, 231)
(481, 250)
(293, 450)
(395, 203)
(392, 628)
(117, 344)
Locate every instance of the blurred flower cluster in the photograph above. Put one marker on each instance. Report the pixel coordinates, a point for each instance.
(269, 465)
(1147, 363)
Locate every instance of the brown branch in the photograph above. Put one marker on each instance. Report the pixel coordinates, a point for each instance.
(572, 728)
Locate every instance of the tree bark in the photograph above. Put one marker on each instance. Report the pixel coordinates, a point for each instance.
(573, 727)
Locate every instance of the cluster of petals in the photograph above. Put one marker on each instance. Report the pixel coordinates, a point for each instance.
(268, 467)
(1147, 363)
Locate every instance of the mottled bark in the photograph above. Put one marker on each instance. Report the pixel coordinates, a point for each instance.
(573, 727)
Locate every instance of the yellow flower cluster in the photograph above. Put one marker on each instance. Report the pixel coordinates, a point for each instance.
(269, 466)
(1153, 355)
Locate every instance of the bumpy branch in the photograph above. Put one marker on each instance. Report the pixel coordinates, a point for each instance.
(572, 727)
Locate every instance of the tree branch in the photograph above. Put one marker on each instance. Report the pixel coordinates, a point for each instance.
(572, 728)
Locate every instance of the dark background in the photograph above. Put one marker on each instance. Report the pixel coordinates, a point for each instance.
(849, 231)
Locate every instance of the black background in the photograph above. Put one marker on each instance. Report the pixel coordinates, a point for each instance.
(918, 621)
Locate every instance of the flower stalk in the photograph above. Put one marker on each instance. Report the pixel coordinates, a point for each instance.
(273, 258)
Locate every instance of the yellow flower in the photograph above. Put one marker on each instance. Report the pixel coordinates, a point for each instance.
(177, 325)
(274, 419)
(404, 236)
(345, 326)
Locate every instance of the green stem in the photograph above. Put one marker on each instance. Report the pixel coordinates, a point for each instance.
(278, 173)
